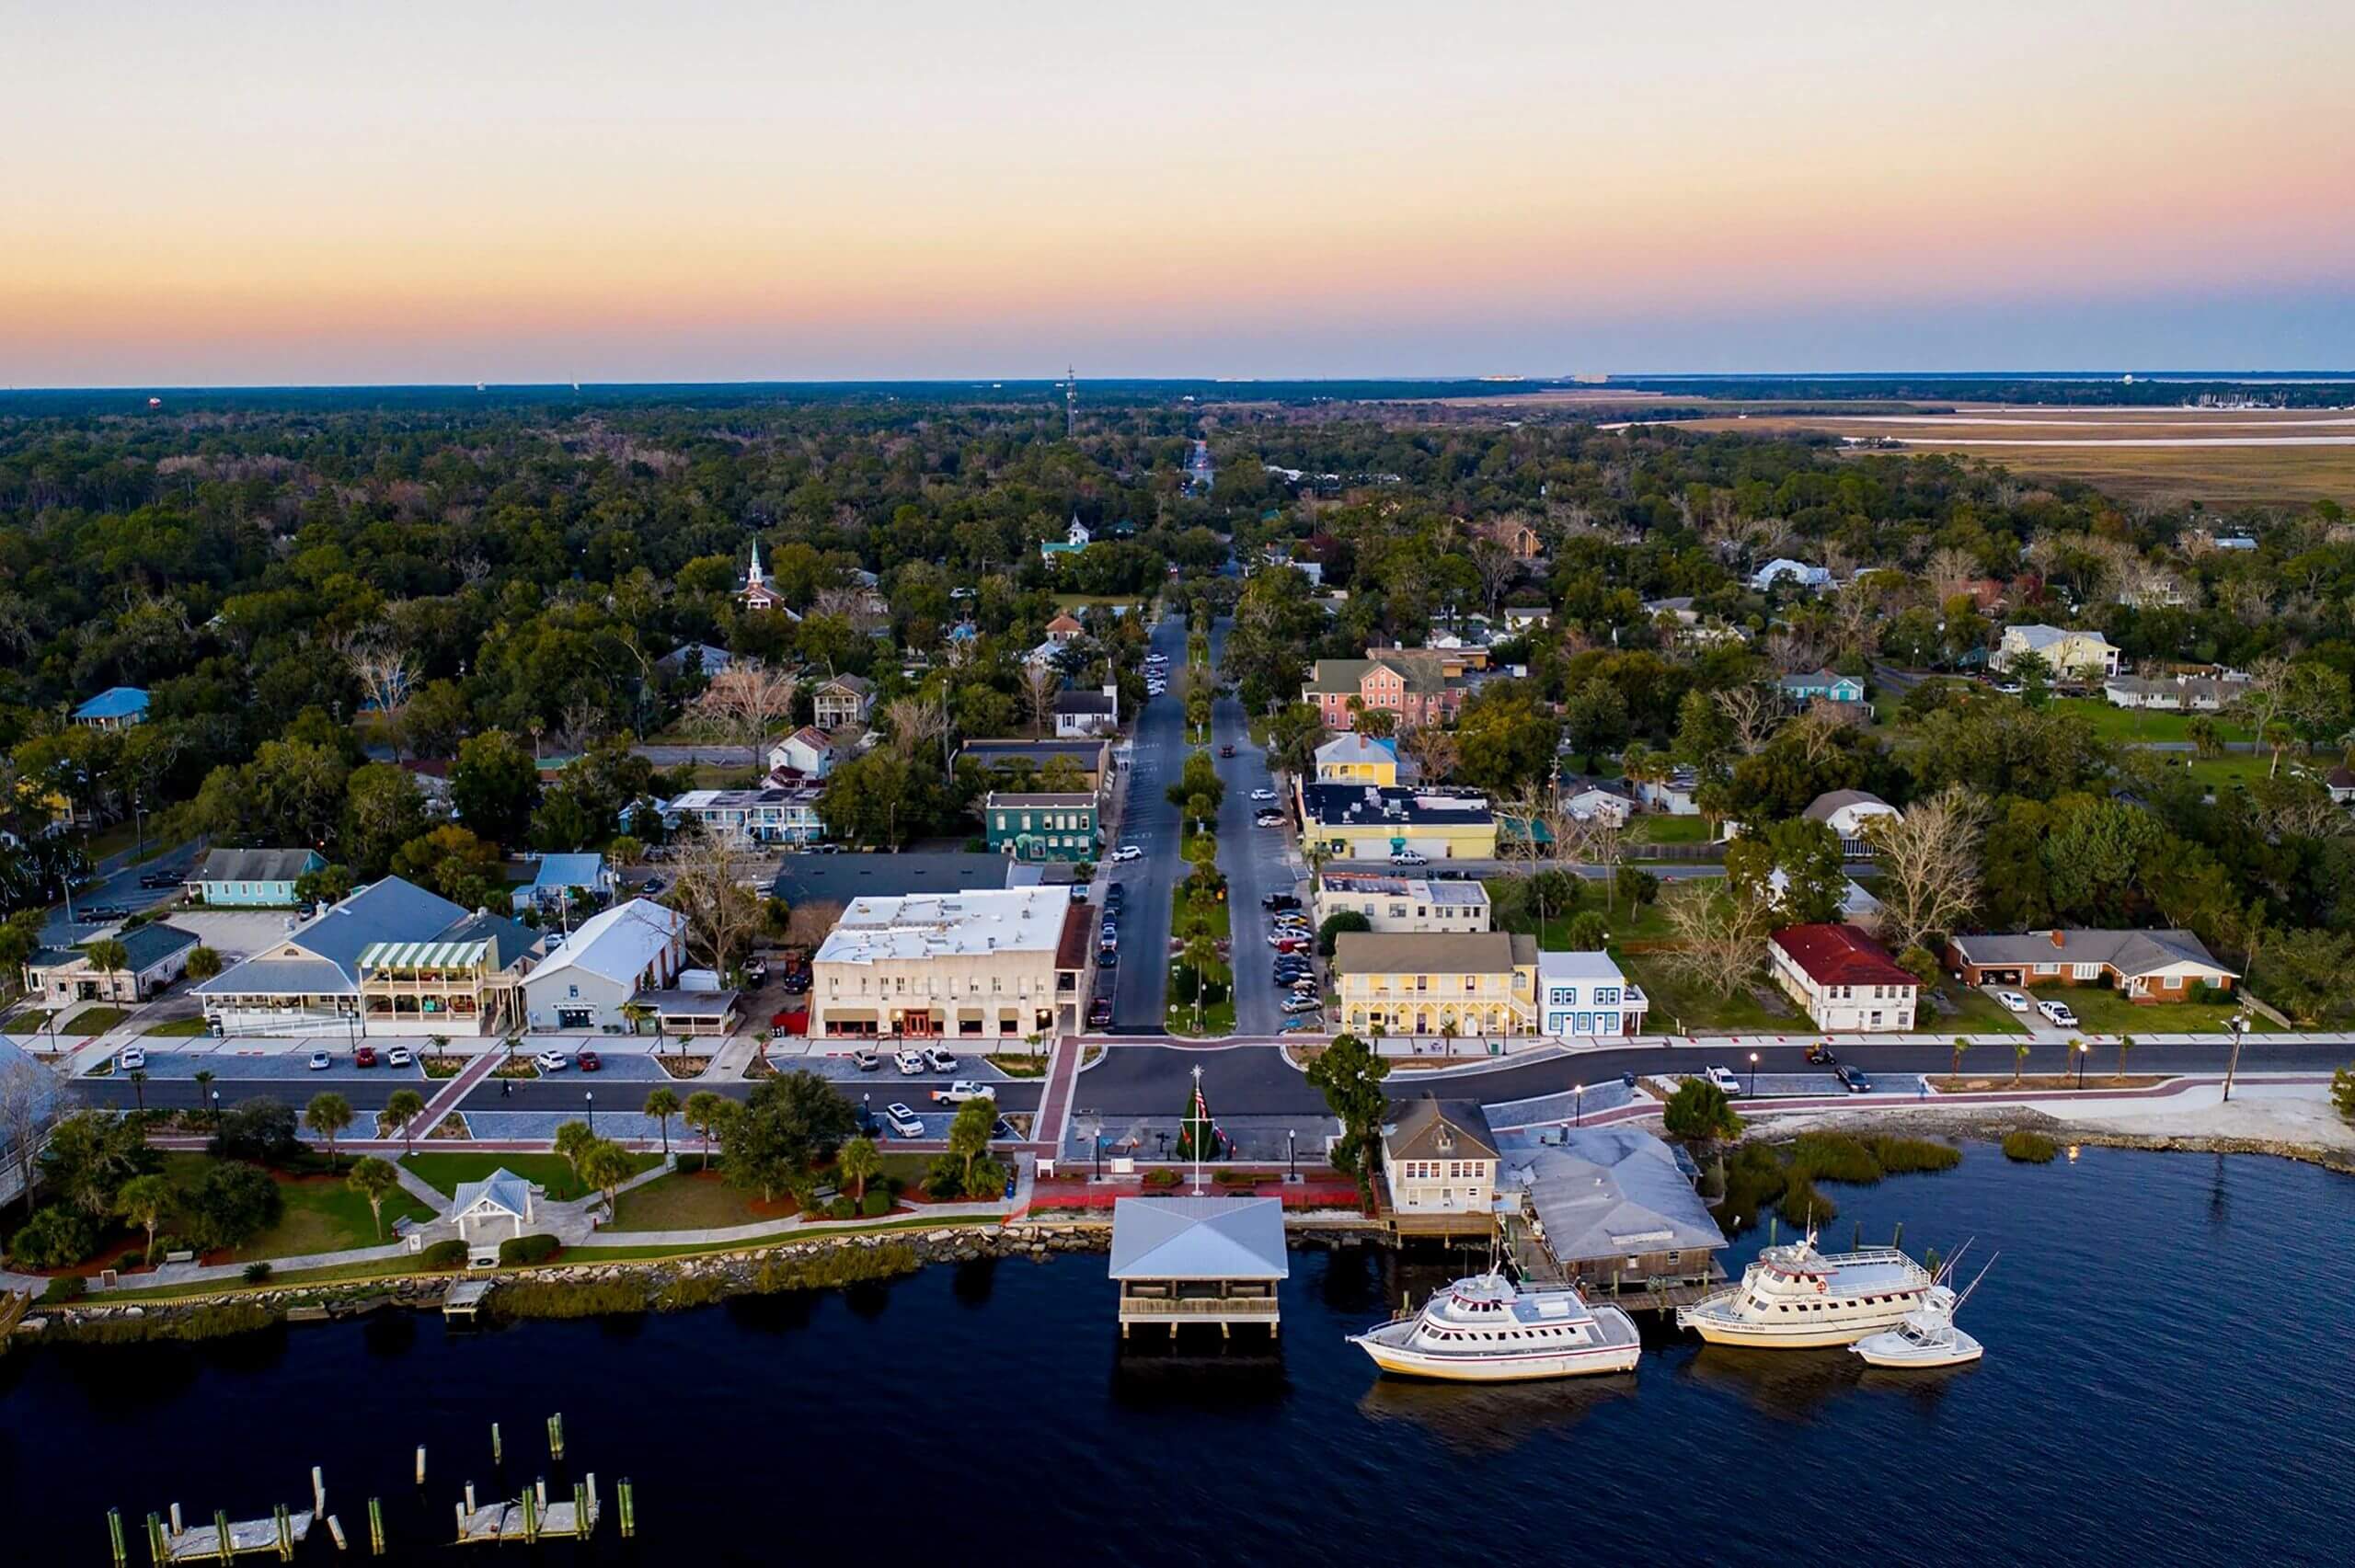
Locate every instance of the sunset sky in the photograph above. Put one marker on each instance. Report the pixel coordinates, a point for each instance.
(265, 193)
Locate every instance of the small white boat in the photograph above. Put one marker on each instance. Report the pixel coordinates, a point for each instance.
(1486, 1329)
(1928, 1337)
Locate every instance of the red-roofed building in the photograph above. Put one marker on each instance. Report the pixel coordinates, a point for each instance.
(1845, 980)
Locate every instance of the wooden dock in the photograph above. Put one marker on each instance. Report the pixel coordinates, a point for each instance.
(279, 1535)
(465, 1299)
(531, 1518)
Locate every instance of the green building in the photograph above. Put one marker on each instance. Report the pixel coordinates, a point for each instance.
(1042, 827)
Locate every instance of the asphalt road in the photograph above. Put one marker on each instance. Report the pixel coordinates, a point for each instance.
(1149, 821)
(1255, 861)
(120, 885)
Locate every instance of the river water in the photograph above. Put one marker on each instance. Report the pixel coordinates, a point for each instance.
(2168, 1380)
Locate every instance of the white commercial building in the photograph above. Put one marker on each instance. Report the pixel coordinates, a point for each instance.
(983, 966)
(1402, 903)
(617, 953)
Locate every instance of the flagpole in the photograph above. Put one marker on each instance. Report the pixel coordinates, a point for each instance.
(1198, 1130)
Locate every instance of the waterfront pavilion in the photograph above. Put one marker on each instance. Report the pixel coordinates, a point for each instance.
(1202, 1260)
(502, 1195)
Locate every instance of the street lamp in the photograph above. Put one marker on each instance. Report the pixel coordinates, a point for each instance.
(1753, 1075)
(2239, 1022)
(2082, 1050)
(590, 1095)
(1291, 1155)
(1577, 1105)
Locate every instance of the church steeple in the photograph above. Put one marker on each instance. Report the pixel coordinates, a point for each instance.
(752, 578)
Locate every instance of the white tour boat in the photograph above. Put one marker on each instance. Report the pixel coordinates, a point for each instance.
(1486, 1329)
(1928, 1336)
(1795, 1298)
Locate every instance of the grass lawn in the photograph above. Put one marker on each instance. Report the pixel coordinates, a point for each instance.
(1218, 1017)
(690, 1199)
(1679, 1006)
(2128, 726)
(31, 1023)
(322, 1214)
(1973, 1012)
(181, 1028)
(96, 1020)
(1646, 925)
(2101, 1012)
(844, 1228)
(444, 1172)
(1659, 828)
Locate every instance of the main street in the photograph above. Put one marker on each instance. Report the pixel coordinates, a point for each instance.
(1157, 752)
(1256, 859)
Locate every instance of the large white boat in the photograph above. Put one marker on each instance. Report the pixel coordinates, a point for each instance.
(1795, 1298)
(1486, 1329)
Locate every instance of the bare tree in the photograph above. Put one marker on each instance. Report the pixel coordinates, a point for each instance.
(1951, 571)
(1793, 650)
(1755, 711)
(1929, 865)
(1855, 610)
(1433, 750)
(384, 675)
(1497, 568)
(809, 924)
(1599, 840)
(721, 913)
(854, 604)
(747, 703)
(915, 721)
(1040, 681)
(30, 1102)
(2264, 701)
(1720, 938)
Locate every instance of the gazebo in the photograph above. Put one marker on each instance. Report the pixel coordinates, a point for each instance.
(1202, 1260)
(502, 1195)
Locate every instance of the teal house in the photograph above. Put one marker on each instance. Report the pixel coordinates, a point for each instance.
(1042, 827)
(1822, 683)
(261, 879)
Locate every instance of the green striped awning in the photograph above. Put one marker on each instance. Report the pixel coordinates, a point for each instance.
(422, 955)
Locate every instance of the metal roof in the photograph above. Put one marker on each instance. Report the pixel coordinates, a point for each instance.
(279, 977)
(256, 865)
(503, 1190)
(1612, 1192)
(1199, 1238)
(115, 702)
(616, 943)
(1433, 1127)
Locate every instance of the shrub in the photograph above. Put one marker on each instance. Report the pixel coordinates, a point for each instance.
(1901, 1156)
(65, 1287)
(445, 1254)
(256, 1129)
(1802, 1205)
(1831, 1157)
(946, 1177)
(2029, 1147)
(234, 1203)
(527, 1249)
(842, 1207)
(1163, 1177)
(54, 1237)
(877, 1202)
(1699, 1110)
(256, 1272)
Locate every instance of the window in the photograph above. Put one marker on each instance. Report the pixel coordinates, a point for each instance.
(1606, 996)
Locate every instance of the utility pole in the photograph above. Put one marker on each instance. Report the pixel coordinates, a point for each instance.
(2240, 1024)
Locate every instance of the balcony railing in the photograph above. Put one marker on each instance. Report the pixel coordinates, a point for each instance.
(1203, 1306)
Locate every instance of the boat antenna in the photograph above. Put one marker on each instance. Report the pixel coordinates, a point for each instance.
(1974, 1283)
(1945, 1269)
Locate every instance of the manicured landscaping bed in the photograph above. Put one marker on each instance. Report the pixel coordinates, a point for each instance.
(446, 1172)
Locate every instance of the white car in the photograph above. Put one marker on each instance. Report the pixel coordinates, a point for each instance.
(1302, 1004)
(910, 1063)
(1128, 852)
(2057, 1013)
(1263, 794)
(2012, 1000)
(902, 1120)
(321, 1061)
(133, 1059)
(957, 1093)
(551, 1061)
(1724, 1079)
(399, 1056)
(1409, 857)
(939, 1061)
(1268, 819)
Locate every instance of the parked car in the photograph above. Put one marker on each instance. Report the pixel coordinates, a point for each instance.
(1128, 852)
(1302, 1004)
(1724, 1079)
(1280, 901)
(321, 1061)
(1227, 750)
(132, 1059)
(957, 1093)
(902, 1120)
(2057, 1014)
(589, 1061)
(1854, 1077)
(1099, 1013)
(1105, 958)
(651, 885)
(399, 1056)
(1268, 819)
(365, 1057)
(866, 1060)
(550, 1061)
(1820, 1056)
(2012, 1000)
(1409, 857)
(939, 1061)
(1291, 944)
(910, 1063)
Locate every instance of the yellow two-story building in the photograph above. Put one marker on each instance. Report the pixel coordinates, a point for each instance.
(1455, 985)
(1358, 759)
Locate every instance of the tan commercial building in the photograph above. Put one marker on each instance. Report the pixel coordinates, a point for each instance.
(1455, 985)
(1402, 903)
(985, 965)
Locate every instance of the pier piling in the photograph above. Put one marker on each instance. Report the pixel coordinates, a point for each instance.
(470, 1497)
(154, 1539)
(498, 1453)
(175, 1516)
(222, 1534)
(627, 1495)
(114, 1538)
(335, 1528)
(1856, 1242)
(420, 1464)
(283, 1527)
(1897, 1240)
(318, 1494)
(555, 1435)
(375, 1528)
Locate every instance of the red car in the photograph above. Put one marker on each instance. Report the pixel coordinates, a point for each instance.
(365, 1057)
(589, 1061)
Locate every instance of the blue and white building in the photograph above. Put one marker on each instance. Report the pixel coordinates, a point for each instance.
(1584, 993)
(116, 708)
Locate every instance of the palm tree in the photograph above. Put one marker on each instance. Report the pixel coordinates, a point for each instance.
(2125, 1043)
(606, 1165)
(1961, 1045)
(440, 1043)
(401, 1109)
(702, 1114)
(109, 958)
(2019, 1061)
(374, 1180)
(139, 1086)
(1201, 956)
(761, 1046)
(663, 1103)
(328, 1114)
(638, 1013)
(859, 1163)
(205, 1076)
(145, 1200)
(572, 1140)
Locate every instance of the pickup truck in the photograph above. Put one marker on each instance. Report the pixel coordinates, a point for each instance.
(1724, 1079)
(957, 1093)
